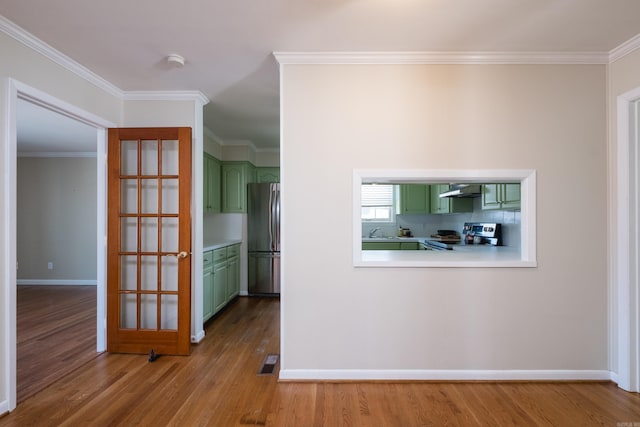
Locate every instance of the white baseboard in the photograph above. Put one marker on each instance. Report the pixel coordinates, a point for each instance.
(244, 293)
(613, 376)
(55, 282)
(4, 407)
(442, 375)
(195, 339)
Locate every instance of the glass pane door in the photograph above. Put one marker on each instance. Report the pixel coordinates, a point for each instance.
(148, 249)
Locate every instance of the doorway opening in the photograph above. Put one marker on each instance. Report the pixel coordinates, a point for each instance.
(56, 246)
(21, 92)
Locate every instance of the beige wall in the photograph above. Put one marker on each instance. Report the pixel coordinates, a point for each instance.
(57, 218)
(159, 113)
(543, 117)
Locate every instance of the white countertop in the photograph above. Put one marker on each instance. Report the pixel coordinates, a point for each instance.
(460, 256)
(209, 246)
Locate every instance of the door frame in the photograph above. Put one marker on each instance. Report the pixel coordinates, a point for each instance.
(18, 90)
(624, 245)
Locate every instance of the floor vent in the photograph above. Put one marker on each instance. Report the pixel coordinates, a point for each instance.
(269, 364)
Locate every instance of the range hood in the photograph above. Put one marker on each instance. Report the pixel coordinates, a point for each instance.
(462, 190)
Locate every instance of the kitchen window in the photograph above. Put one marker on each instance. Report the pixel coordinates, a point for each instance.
(500, 184)
(377, 203)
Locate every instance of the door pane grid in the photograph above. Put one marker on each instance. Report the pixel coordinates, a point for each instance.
(147, 153)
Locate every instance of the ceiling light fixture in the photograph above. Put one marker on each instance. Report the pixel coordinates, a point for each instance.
(175, 60)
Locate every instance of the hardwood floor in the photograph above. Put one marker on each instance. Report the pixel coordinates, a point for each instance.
(217, 385)
(56, 333)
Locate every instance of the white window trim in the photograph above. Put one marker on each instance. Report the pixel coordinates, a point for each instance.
(526, 177)
(394, 208)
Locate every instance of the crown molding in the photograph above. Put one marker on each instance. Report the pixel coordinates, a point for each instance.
(625, 48)
(209, 133)
(56, 56)
(64, 61)
(239, 143)
(165, 95)
(395, 58)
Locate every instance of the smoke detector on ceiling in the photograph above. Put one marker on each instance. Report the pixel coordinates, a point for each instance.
(175, 60)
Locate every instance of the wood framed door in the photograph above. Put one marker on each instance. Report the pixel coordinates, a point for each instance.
(149, 240)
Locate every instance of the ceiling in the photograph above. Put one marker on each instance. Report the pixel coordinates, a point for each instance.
(228, 45)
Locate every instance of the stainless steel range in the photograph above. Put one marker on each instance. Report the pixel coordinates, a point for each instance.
(482, 233)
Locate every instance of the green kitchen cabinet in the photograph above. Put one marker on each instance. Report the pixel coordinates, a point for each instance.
(207, 286)
(409, 246)
(445, 205)
(233, 271)
(235, 177)
(211, 185)
(501, 196)
(220, 275)
(267, 174)
(380, 246)
(221, 279)
(414, 199)
(390, 246)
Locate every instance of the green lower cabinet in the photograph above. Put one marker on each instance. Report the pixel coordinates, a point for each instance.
(233, 275)
(445, 205)
(501, 196)
(389, 246)
(207, 287)
(409, 246)
(220, 275)
(380, 246)
(221, 279)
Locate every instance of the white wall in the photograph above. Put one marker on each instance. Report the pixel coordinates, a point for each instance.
(57, 218)
(624, 76)
(340, 117)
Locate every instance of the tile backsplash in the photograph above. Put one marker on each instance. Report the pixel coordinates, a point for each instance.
(426, 225)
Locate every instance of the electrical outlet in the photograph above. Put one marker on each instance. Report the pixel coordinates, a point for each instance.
(50, 265)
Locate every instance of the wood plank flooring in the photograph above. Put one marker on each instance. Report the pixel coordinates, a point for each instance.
(56, 333)
(217, 386)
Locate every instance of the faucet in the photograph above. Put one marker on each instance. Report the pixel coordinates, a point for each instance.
(372, 232)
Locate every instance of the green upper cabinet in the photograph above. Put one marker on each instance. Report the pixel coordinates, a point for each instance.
(235, 177)
(267, 174)
(444, 205)
(211, 187)
(501, 196)
(414, 199)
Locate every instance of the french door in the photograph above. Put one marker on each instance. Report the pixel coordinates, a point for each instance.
(149, 240)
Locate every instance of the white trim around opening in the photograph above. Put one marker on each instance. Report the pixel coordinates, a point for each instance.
(18, 90)
(624, 244)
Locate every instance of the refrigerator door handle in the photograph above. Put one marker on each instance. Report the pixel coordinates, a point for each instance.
(277, 222)
(270, 218)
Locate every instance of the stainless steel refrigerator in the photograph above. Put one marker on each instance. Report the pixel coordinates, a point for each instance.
(263, 228)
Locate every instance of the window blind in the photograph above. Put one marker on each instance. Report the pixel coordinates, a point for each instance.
(377, 195)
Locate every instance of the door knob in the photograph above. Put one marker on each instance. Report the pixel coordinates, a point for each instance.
(181, 254)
